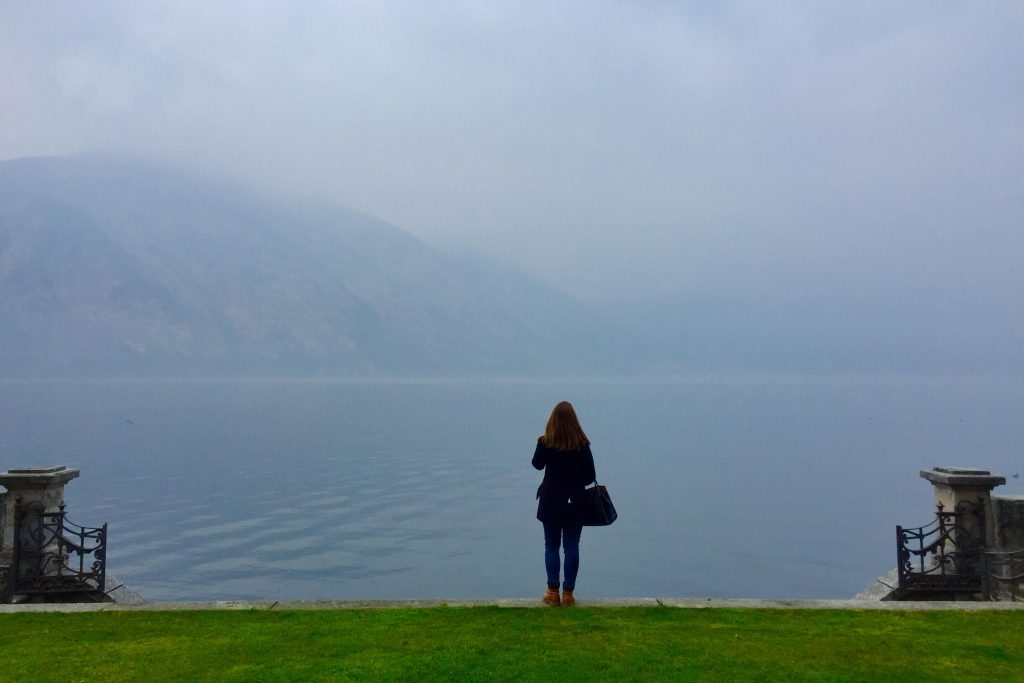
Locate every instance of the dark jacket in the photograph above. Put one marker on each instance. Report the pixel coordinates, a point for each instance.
(566, 474)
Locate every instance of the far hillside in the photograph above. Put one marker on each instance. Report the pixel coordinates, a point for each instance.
(115, 266)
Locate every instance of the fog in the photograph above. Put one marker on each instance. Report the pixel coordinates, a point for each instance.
(867, 155)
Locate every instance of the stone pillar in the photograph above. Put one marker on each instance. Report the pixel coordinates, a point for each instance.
(32, 485)
(955, 485)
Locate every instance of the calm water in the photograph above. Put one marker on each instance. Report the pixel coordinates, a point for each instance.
(776, 488)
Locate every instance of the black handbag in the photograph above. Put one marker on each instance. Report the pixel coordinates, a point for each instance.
(598, 509)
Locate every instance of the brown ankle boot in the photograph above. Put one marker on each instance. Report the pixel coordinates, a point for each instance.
(567, 599)
(551, 597)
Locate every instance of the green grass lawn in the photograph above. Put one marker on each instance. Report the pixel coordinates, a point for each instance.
(488, 643)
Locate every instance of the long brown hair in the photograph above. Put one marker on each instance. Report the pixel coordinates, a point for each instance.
(563, 431)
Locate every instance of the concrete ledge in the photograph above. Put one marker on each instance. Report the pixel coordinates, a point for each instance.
(881, 588)
(963, 477)
(686, 603)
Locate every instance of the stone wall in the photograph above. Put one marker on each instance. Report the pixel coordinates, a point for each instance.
(1008, 519)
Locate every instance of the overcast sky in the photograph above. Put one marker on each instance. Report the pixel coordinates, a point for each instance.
(628, 150)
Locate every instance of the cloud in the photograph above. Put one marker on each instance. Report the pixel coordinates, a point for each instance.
(621, 151)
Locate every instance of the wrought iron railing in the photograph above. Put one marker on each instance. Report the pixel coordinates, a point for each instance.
(53, 555)
(943, 556)
(1003, 574)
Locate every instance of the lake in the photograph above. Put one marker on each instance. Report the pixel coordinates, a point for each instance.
(769, 487)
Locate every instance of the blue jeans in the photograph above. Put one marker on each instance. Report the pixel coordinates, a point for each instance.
(568, 536)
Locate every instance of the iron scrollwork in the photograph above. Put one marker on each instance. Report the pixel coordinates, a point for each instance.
(53, 555)
(1003, 572)
(945, 555)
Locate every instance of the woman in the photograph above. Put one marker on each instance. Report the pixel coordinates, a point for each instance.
(563, 452)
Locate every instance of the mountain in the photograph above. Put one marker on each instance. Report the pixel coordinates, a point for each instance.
(112, 265)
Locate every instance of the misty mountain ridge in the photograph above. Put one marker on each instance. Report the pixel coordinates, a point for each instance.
(118, 266)
(112, 266)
